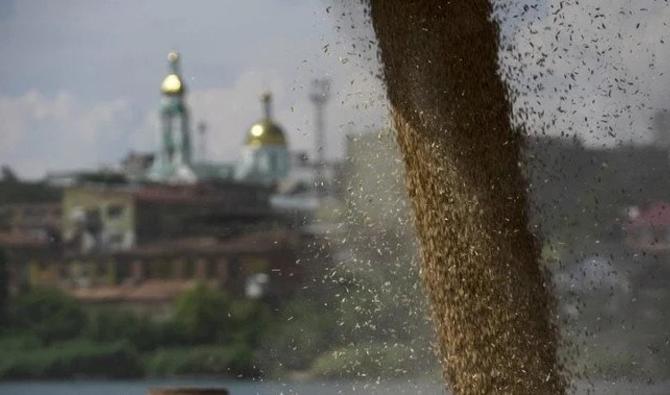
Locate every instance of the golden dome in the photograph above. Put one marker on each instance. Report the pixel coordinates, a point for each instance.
(172, 85)
(265, 132)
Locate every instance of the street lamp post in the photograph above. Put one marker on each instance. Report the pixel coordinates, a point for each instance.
(319, 95)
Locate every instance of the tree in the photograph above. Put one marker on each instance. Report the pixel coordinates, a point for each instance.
(48, 313)
(4, 289)
(203, 315)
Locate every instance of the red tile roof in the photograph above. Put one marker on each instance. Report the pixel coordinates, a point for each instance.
(149, 291)
(21, 240)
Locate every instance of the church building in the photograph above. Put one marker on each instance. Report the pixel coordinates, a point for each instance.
(265, 156)
(172, 161)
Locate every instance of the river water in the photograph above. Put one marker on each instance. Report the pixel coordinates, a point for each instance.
(140, 387)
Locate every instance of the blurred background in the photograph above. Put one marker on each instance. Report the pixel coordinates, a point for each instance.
(210, 194)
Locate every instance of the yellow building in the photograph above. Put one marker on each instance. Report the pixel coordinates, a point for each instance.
(99, 215)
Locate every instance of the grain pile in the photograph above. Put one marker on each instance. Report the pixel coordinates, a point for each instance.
(462, 158)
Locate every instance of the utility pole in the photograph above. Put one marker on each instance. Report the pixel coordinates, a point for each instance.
(319, 95)
(202, 140)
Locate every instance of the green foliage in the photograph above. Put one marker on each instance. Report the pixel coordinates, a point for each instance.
(110, 324)
(203, 315)
(249, 321)
(18, 342)
(51, 336)
(50, 314)
(236, 359)
(394, 360)
(302, 331)
(72, 359)
(4, 290)
(206, 315)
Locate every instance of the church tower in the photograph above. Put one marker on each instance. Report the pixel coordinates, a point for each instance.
(173, 158)
(265, 157)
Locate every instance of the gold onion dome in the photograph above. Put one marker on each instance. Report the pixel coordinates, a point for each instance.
(265, 131)
(172, 84)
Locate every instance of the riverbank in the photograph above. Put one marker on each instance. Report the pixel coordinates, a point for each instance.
(52, 336)
(408, 386)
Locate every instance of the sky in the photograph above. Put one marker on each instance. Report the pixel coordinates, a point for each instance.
(596, 69)
(79, 79)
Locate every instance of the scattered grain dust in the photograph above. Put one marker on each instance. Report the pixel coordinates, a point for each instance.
(480, 262)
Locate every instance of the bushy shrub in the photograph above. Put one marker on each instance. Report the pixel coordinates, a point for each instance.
(111, 324)
(300, 332)
(222, 336)
(206, 315)
(203, 315)
(49, 313)
(249, 322)
(367, 360)
(18, 342)
(4, 291)
(72, 359)
(233, 360)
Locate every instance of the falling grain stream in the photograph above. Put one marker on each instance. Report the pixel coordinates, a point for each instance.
(480, 263)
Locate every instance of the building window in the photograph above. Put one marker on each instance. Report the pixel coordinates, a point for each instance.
(115, 240)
